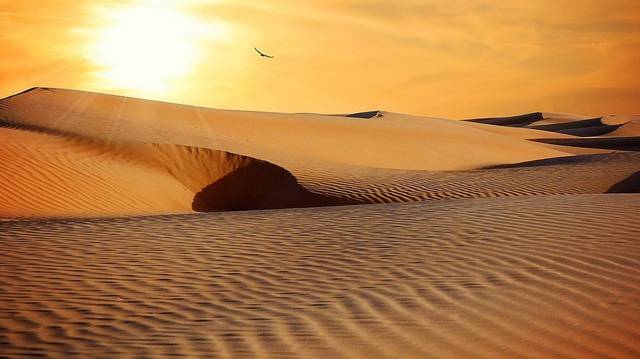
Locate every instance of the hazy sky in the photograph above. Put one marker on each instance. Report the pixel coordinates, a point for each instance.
(452, 58)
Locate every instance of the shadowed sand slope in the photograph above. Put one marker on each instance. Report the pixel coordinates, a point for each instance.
(520, 277)
(46, 175)
(516, 121)
(612, 143)
(612, 132)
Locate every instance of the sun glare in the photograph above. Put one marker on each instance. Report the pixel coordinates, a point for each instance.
(149, 46)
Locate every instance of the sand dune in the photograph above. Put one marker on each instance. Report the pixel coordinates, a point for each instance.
(622, 132)
(582, 128)
(587, 174)
(44, 175)
(509, 277)
(372, 235)
(79, 154)
(628, 129)
(379, 142)
(48, 176)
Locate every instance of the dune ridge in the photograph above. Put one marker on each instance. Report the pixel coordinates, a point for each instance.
(345, 140)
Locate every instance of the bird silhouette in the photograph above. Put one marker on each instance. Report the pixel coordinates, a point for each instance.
(262, 54)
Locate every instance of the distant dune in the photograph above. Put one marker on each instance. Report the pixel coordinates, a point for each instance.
(494, 237)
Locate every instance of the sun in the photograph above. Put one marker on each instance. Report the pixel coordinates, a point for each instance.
(149, 46)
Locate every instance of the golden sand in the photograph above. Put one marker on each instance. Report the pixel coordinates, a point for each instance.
(377, 235)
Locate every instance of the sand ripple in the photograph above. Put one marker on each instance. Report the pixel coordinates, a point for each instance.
(531, 277)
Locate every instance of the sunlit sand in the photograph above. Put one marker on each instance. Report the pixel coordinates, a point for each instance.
(136, 228)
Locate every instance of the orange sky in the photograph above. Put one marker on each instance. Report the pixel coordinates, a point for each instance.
(454, 59)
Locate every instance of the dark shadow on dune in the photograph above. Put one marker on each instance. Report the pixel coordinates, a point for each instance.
(609, 143)
(569, 125)
(582, 128)
(572, 160)
(260, 185)
(367, 114)
(630, 184)
(513, 121)
(590, 131)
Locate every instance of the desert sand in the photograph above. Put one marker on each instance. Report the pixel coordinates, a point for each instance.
(137, 228)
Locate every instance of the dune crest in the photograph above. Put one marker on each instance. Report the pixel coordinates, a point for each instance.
(391, 141)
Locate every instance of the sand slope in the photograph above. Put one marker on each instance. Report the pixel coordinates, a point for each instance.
(378, 142)
(45, 175)
(525, 277)
(585, 174)
(373, 235)
(48, 175)
(73, 153)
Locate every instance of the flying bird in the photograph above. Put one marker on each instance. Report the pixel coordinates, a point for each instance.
(262, 54)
